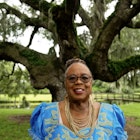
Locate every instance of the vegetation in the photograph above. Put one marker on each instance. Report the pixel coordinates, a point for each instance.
(109, 45)
(132, 110)
(12, 126)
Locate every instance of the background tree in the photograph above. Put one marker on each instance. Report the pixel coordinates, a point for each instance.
(14, 82)
(57, 21)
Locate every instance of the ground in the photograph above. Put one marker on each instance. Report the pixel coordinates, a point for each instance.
(133, 131)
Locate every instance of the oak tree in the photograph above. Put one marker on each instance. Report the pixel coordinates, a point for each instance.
(47, 70)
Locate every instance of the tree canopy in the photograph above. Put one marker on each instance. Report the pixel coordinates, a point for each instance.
(56, 21)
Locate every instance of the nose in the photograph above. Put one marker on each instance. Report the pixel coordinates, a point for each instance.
(78, 80)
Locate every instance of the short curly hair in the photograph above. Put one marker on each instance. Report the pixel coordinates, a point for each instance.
(74, 60)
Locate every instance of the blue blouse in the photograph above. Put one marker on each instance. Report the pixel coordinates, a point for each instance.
(45, 124)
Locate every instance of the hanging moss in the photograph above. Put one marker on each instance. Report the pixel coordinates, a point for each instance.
(116, 67)
(33, 57)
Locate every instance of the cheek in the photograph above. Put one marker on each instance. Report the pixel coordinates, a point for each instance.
(89, 86)
(67, 86)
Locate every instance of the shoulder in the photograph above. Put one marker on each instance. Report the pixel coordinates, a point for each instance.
(41, 110)
(110, 108)
(113, 113)
(112, 120)
(44, 106)
(114, 110)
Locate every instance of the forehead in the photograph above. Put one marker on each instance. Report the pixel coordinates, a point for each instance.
(77, 68)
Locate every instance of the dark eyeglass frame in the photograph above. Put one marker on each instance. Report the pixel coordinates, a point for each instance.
(85, 78)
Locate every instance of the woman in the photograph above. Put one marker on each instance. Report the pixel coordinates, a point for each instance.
(78, 116)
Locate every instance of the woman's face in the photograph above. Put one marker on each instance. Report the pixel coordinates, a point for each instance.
(78, 82)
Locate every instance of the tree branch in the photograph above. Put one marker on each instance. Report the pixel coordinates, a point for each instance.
(72, 6)
(28, 21)
(120, 68)
(115, 23)
(39, 65)
(17, 53)
(94, 22)
(41, 5)
(32, 36)
(85, 17)
(134, 25)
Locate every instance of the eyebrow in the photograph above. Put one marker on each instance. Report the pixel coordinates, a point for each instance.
(79, 75)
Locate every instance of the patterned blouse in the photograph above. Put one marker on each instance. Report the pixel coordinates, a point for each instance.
(45, 124)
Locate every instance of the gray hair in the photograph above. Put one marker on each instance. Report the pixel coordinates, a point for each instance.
(74, 60)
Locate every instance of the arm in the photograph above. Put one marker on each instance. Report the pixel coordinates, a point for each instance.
(36, 122)
(119, 124)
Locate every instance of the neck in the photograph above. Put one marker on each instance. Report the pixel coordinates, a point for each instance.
(79, 106)
(78, 102)
(79, 120)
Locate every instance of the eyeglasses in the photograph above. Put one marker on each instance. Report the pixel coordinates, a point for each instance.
(84, 78)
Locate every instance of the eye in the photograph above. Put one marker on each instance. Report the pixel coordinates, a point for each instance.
(85, 77)
(72, 78)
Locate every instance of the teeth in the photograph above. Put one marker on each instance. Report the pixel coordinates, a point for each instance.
(78, 90)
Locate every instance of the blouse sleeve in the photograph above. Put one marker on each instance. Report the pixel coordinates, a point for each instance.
(36, 122)
(119, 124)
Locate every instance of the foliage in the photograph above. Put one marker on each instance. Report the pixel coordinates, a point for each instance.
(104, 87)
(16, 83)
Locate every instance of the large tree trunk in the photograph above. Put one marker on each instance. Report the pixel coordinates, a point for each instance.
(58, 92)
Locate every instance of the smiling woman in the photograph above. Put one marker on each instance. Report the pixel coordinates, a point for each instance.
(78, 116)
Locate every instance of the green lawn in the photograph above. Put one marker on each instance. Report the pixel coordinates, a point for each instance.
(11, 129)
(133, 110)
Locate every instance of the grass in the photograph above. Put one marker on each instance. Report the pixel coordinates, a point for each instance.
(132, 110)
(12, 129)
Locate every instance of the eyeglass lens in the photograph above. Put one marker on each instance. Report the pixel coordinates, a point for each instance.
(84, 78)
